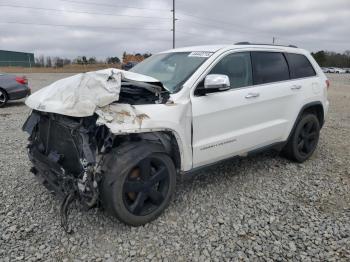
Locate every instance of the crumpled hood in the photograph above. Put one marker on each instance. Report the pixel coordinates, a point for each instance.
(80, 95)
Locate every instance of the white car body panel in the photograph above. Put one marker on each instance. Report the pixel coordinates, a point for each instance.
(174, 117)
(207, 128)
(237, 124)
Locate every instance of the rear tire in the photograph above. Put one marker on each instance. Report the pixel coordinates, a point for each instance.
(143, 192)
(304, 139)
(3, 97)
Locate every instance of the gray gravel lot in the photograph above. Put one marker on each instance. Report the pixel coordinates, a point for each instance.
(260, 208)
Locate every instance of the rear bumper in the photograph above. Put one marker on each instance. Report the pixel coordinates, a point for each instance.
(19, 93)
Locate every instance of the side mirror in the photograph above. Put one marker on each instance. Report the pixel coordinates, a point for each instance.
(216, 82)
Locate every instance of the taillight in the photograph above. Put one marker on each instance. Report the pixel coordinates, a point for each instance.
(328, 83)
(22, 80)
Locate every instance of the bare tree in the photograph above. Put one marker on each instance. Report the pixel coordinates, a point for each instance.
(66, 61)
(48, 62)
(58, 61)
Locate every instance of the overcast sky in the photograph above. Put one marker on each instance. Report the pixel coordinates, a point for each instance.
(108, 27)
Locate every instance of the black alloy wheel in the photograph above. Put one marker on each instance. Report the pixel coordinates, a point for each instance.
(146, 187)
(141, 194)
(304, 139)
(307, 138)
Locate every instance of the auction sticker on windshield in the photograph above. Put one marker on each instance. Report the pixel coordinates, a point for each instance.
(200, 54)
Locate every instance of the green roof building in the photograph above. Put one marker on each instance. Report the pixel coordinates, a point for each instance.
(11, 58)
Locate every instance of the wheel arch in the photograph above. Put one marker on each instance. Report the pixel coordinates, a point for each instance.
(171, 143)
(149, 142)
(316, 108)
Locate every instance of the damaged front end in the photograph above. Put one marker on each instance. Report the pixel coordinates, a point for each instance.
(68, 136)
(64, 152)
(63, 149)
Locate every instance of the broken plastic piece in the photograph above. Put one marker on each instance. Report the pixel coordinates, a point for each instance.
(67, 201)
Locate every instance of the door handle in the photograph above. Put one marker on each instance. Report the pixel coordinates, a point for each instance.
(252, 95)
(296, 87)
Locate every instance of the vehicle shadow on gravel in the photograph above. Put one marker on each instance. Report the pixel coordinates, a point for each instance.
(235, 171)
(14, 104)
(236, 174)
(232, 169)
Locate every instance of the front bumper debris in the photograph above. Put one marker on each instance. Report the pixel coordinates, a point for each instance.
(63, 153)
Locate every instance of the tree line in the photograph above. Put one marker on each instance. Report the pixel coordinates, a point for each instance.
(323, 58)
(332, 59)
(49, 61)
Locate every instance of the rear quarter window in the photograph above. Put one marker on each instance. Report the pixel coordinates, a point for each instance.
(299, 66)
(269, 67)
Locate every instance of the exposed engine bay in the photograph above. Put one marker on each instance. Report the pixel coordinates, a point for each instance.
(135, 93)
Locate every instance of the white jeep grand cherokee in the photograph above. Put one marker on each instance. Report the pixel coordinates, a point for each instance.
(117, 139)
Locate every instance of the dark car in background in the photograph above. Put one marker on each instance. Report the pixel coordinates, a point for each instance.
(129, 65)
(12, 88)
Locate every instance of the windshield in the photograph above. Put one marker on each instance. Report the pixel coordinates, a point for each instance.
(172, 69)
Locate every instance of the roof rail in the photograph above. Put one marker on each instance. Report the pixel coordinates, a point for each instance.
(248, 43)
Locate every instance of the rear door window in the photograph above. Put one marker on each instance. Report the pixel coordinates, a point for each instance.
(269, 67)
(299, 66)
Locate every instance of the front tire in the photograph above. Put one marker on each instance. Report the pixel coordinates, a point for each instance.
(304, 139)
(143, 192)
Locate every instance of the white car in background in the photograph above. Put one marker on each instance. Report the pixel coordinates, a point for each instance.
(335, 70)
(118, 139)
(330, 70)
(339, 70)
(325, 69)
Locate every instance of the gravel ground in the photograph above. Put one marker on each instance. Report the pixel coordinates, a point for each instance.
(258, 208)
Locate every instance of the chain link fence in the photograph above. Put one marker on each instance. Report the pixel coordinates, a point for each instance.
(27, 63)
